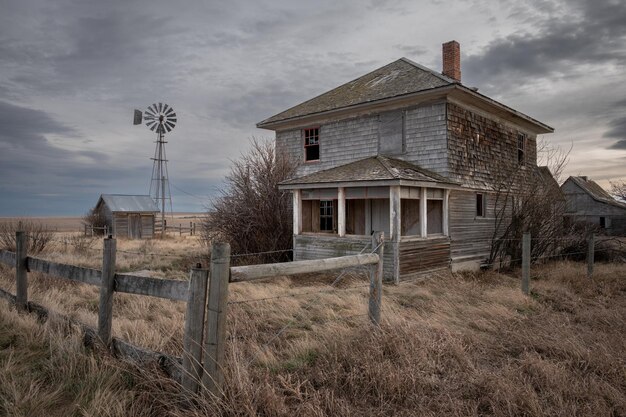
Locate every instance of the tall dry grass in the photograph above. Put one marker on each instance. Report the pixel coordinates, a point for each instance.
(451, 344)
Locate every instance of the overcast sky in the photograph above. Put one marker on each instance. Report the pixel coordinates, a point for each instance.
(71, 73)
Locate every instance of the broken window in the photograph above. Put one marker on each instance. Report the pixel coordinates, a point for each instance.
(312, 144)
(603, 222)
(521, 148)
(410, 211)
(434, 213)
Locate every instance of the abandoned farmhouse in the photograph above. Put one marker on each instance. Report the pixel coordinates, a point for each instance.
(408, 151)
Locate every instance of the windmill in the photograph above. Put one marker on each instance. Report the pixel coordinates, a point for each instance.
(162, 119)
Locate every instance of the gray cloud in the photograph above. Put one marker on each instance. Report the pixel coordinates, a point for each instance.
(565, 35)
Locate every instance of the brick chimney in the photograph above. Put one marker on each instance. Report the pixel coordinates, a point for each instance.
(451, 52)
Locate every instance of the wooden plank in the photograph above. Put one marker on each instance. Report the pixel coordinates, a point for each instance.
(71, 272)
(251, 272)
(21, 270)
(215, 330)
(526, 263)
(155, 287)
(7, 258)
(194, 329)
(105, 311)
(376, 279)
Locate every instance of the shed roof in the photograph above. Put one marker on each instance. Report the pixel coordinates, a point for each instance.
(375, 168)
(129, 203)
(397, 78)
(595, 191)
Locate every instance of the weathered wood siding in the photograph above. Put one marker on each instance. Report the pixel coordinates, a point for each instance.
(120, 224)
(470, 236)
(147, 226)
(482, 150)
(307, 247)
(421, 255)
(579, 202)
(349, 140)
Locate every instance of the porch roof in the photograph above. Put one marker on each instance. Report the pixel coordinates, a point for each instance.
(372, 169)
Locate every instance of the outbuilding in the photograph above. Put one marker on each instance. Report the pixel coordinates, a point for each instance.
(130, 216)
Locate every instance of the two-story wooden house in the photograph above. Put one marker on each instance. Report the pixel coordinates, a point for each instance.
(407, 151)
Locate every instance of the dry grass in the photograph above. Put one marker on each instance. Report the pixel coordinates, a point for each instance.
(452, 344)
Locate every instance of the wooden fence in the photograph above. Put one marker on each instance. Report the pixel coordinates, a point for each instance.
(207, 300)
(180, 229)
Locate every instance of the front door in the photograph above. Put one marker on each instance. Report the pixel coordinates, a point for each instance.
(134, 226)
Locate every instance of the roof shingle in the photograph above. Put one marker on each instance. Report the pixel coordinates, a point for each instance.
(395, 79)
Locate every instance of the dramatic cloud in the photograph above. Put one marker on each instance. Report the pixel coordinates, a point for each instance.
(71, 73)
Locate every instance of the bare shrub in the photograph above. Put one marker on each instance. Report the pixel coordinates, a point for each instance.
(95, 220)
(38, 235)
(252, 213)
(618, 189)
(529, 200)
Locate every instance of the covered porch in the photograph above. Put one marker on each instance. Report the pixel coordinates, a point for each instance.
(337, 219)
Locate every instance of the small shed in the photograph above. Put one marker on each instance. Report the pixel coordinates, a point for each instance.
(588, 202)
(129, 216)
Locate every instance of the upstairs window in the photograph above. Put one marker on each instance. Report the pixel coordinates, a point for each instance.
(521, 148)
(326, 215)
(312, 144)
(480, 205)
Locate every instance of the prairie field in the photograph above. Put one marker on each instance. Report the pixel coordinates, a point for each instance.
(450, 344)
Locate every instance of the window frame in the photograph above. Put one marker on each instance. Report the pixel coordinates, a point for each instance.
(306, 145)
(521, 150)
(328, 215)
(481, 205)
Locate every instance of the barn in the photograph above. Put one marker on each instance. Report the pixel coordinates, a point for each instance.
(130, 216)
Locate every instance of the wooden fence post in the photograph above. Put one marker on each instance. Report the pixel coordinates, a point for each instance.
(526, 263)
(376, 278)
(215, 330)
(590, 255)
(21, 274)
(105, 313)
(194, 328)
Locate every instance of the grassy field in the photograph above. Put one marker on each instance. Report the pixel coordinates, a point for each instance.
(451, 344)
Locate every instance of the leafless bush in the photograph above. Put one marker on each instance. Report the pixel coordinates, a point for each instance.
(37, 234)
(529, 201)
(618, 189)
(252, 213)
(96, 221)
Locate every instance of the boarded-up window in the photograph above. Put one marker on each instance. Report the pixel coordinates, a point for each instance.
(434, 213)
(391, 133)
(410, 211)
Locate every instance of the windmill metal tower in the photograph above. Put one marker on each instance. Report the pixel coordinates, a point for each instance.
(162, 119)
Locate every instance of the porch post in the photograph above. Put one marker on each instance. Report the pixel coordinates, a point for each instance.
(423, 216)
(394, 212)
(446, 222)
(341, 211)
(396, 228)
(297, 212)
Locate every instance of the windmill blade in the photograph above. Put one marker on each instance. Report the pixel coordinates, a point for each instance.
(154, 108)
(170, 124)
(165, 107)
(150, 123)
(169, 129)
(171, 110)
(160, 107)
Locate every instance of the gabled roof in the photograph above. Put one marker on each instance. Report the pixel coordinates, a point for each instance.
(595, 191)
(129, 203)
(375, 168)
(398, 78)
(549, 182)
